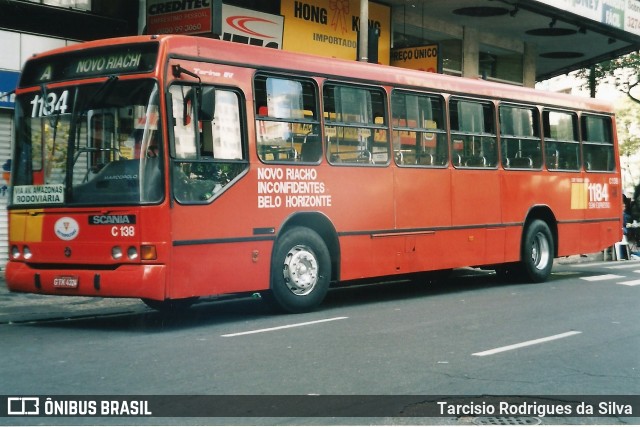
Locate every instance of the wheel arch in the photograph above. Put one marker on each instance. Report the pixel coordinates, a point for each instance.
(322, 225)
(543, 213)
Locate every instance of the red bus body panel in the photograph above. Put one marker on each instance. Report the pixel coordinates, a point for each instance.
(388, 219)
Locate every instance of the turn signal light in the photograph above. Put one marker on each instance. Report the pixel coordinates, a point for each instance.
(148, 252)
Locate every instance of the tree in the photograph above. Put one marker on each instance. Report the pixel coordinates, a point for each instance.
(628, 127)
(628, 124)
(623, 72)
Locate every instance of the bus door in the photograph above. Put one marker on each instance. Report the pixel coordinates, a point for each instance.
(206, 158)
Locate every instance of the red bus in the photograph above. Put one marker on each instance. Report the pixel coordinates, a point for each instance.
(172, 167)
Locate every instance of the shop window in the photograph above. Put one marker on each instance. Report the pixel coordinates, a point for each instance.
(501, 65)
(67, 4)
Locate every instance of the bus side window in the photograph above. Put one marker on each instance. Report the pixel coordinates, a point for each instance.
(473, 134)
(520, 137)
(287, 127)
(597, 143)
(562, 148)
(356, 125)
(207, 155)
(418, 130)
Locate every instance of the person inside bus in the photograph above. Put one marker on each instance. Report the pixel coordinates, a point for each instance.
(152, 150)
(152, 172)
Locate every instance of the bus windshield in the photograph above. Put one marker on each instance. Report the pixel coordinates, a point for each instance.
(94, 144)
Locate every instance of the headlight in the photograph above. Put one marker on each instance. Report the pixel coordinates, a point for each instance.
(132, 253)
(116, 252)
(15, 252)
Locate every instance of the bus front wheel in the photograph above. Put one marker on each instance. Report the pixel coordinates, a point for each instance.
(300, 271)
(537, 252)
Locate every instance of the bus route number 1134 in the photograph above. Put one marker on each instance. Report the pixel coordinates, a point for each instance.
(52, 104)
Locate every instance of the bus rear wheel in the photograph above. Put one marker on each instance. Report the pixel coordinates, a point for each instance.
(300, 271)
(537, 252)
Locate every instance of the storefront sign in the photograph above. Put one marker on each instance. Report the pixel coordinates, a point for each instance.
(621, 14)
(330, 27)
(179, 17)
(8, 83)
(251, 27)
(423, 58)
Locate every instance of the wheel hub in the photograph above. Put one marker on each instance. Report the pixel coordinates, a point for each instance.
(300, 270)
(540, 252)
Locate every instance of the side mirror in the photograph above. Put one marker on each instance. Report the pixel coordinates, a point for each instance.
(207, 104)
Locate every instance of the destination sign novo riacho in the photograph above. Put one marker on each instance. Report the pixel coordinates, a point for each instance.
(113, 60)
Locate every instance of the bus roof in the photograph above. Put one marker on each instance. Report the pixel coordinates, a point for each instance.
(206, 49)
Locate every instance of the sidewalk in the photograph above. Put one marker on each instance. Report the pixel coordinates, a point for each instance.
(23, 308)
(577, 259)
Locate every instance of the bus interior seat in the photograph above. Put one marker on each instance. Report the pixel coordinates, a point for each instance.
(476, 161)
(520, 162)
(425, 159)
(311, 150)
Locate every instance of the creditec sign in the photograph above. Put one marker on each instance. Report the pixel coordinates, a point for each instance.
(179, 17)
(196, 17)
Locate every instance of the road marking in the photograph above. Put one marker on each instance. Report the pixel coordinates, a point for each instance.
(593, 264)
(631, 282)
(526, 344)
(608, 264)
(602, 277)
(624, 265)
(277, 328)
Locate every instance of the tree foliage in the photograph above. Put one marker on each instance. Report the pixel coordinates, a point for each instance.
(622, 72)
(628, 124)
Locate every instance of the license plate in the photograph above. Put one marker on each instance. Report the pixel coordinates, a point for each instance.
(67, 282)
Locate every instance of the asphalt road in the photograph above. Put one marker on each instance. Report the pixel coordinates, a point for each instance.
(577, 334)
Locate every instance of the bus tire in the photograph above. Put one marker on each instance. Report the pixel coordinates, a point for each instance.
(300, 271)
(537, 252)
